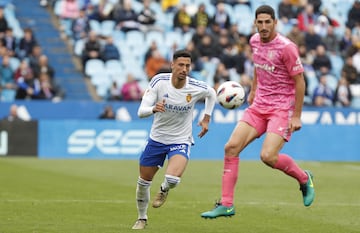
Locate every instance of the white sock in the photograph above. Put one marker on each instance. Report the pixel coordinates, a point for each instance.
(142, 197)
(170, 182)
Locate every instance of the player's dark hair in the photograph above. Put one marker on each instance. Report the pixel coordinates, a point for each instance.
(265, 9)
(181, 53)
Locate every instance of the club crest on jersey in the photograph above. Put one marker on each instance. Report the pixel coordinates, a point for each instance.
(188, 98)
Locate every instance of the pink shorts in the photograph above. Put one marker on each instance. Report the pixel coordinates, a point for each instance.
(273, 121)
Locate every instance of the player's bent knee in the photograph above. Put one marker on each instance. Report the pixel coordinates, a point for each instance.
(231, 149)
(268, 158)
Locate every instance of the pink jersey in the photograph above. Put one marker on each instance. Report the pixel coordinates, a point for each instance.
(275, 62)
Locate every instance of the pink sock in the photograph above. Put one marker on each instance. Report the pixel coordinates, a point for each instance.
(230, 175)
(286, 164)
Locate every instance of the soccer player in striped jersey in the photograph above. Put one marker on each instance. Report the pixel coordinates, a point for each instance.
(170, 98)
(276, 100)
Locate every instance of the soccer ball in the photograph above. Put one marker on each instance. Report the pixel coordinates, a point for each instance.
(230, 95)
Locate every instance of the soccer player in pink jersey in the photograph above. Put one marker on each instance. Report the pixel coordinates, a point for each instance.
(275, 105)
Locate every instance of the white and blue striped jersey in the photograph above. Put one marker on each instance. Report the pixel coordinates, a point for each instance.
(174, 126)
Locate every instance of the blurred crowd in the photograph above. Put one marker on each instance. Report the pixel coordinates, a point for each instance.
(25, 71)
(217, 34)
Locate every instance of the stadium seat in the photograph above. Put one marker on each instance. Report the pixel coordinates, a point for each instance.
(14, 63)
(114, 68)
(337, 64)
(332, 81)
(58, 7)
(156, 36)
(355, 103)
(107, 28)
(102, 90)
(134, 39)
(187, 37)
(174, 37)
(79, 47)
(242, 14)
(95, 26)
(8, 95)
(94, 66)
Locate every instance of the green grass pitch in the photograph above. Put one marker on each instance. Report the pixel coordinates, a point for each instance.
(98, 196)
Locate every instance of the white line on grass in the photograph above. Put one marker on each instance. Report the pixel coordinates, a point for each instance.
(195, 202)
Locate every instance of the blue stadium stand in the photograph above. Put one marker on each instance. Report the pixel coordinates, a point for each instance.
(31, 14)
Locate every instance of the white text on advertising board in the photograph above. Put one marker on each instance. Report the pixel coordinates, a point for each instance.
(108, 141)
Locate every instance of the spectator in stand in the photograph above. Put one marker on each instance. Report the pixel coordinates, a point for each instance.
(70, 10)
(331, 41)
(110, 51)
(105, 10)
(343, 95)
(27, 43)
(13, 114)
(126, 18)
(34, 56)
(221, 75)
(22, 70)
(92, 48)
(115, 91)
(312, 40)
(356, 57)
(306, 58)
(80, 26)
(199, 33)
(297, 36)
(287, 12)
(43, 66)
(349, 72)
(353, 14)
(28, 87)
(321, 26)
(155, 63)
(345, 42)
(201, 17)
(306, 17)
(47, 90)
(147, 18)
(10, 42)
(322, 63)
(182, 21)
(153, 46)
(169, 5)
(197, 64)
(229, 56)
(208, 49)
(131, 90)
(246, 78)
(3, 22)
(316, 5)
(108, 113)
(7, 75)
(355, 32)
(221, 17)
(323, 95)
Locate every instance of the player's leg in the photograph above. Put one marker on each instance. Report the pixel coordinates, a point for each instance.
(178, 159)
(151, 159)
(271, 157)
(143, 195)
(242, 135)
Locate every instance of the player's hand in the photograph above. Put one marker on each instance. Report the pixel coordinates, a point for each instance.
(159, 106)
(204, 126)
(294, 124)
